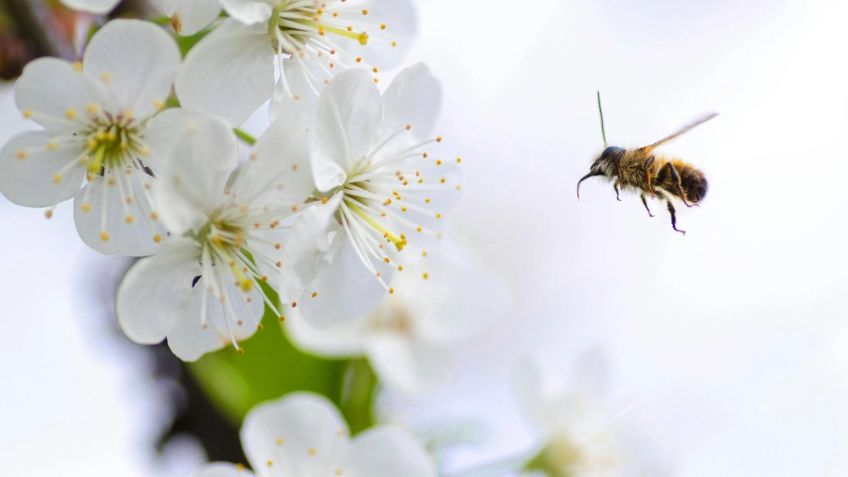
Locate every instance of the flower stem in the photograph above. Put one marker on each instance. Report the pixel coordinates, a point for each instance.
(358, 395)
(245, 137)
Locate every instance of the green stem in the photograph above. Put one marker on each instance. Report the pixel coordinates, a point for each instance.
(245, 137)
(358, 395)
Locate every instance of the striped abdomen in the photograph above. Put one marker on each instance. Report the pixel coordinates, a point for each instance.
(692, 180)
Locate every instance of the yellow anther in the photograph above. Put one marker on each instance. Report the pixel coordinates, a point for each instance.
(57, 178)
(246, 285)
(22, 154)
(104, 236)
(129, 219)
(106, 76)
(363, 39)
(158, 104)
(85, 207)
(157, 238)
(91, 108)
(48, 214)
(52, 146)
(312, 452)
(70, 113)
(77, 66)
(27, 113)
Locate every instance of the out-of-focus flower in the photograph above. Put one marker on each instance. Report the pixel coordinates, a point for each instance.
(304, 435)
(92, 6)
(387, 193)
(580, 436)
(410, 338)
(189, 16)
(202, 291)
(95, 118)
(231, 72)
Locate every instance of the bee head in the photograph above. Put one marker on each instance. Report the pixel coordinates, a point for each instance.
(604, 165)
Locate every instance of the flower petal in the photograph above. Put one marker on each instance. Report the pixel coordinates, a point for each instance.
(280, 172)
(249, 11)
(37, 175)
(189, 16)
(298, 435)
(127, 228)
(386, 48)
(388, 451)
(55, 95)
(155, 294)
(408, 365)
(230, 73)
(136, 61)
(234, 320)
(414, 98)
(305, 249)
(201, 154)
(348, 121)
(220, 469)
(340, 340)
(92, 6)
(344, 289)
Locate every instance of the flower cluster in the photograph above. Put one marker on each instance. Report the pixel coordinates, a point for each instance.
(330, 221)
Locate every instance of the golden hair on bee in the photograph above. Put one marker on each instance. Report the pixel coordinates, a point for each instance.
(657, 175)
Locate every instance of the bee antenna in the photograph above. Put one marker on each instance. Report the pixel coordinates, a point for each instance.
(603, 127)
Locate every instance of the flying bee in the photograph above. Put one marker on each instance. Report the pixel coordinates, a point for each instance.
(651, 174)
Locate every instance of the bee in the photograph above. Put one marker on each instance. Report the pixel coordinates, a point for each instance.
(659, 176)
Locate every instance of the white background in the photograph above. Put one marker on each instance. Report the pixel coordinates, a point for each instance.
(729, 345)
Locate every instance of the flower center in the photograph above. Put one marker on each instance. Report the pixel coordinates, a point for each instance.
(221, 242)
(297, 27)
(111, 142)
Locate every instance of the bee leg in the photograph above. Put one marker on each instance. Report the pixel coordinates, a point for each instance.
(648, 179)
(615, 186)
(645, 203)
(679, 183)
(673, 214)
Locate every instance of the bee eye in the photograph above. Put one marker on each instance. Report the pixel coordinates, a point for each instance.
(611, 151)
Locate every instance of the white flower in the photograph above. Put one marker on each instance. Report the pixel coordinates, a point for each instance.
(387, 192)
(411, 337)
(303, 435)
(189, 16)
(92, 6)
(202, 291)
(580, 437)
(231, 72)
(95, 117)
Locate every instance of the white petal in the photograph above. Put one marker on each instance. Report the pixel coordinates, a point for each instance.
(340, 340)
(135, 60)
(408, 365)
(301, 434)
(55, 94)
(306, 249)
(128, 226)
(230, 73)
(388, 451)
(220, 469)
(249, 11)
(32, 181)
(233, 320)
(344, 289)
(461, 300)
(155, 294)
(348, 121)
(414, 98)
(300, 86)
(190, 16)
(401, 27)
(191, 181)
(92, 6)
(280, 172)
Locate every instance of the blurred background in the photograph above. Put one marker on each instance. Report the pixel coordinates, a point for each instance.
(729, 346)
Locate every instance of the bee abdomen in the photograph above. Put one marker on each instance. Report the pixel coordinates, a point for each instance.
(692, 180)
(694, 183)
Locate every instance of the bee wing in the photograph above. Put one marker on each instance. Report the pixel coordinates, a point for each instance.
(680, 132)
